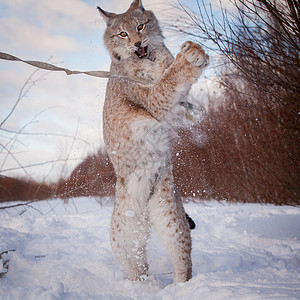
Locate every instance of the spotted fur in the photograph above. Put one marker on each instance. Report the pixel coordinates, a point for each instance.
(135, 121)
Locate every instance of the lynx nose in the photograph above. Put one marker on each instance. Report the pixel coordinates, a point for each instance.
(138, 44)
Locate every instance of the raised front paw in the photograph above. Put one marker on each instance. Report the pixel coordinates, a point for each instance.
(194, 54)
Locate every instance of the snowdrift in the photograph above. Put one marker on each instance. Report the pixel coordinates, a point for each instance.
(62, 251)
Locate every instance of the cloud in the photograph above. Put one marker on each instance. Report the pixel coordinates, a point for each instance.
(49, 26)
(62, 15)
(20, 35)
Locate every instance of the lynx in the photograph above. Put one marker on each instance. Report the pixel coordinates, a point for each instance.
(135, 120)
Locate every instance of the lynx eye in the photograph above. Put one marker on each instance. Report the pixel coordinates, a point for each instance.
(140, 27)
(123, 34)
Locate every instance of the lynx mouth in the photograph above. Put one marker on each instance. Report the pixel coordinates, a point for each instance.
(142, 52)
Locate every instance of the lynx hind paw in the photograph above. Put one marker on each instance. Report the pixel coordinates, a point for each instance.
(194, 54)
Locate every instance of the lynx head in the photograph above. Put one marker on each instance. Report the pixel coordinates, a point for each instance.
(134, 33)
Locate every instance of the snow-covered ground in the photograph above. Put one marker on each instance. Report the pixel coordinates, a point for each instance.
(62, 251)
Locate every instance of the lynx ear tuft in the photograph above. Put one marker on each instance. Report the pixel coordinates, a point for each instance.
(136, 4)
(107, 16)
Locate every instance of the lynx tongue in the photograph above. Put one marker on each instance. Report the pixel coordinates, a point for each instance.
(141, 52)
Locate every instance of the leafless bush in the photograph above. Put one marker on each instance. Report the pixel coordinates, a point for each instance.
(93, 177)
(252, 152)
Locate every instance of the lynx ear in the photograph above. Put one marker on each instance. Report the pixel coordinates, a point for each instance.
(107, 16)
(136, 4)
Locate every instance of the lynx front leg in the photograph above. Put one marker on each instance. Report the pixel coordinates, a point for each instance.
(168, 218)
(129, 236)
(176, 82)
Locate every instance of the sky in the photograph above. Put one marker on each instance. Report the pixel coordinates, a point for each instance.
(57, 117)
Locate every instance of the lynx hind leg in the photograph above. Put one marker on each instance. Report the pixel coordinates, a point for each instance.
(129, 237)
(194, 54)
(169, 221)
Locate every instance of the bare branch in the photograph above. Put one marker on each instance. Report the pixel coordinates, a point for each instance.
(24, 167)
